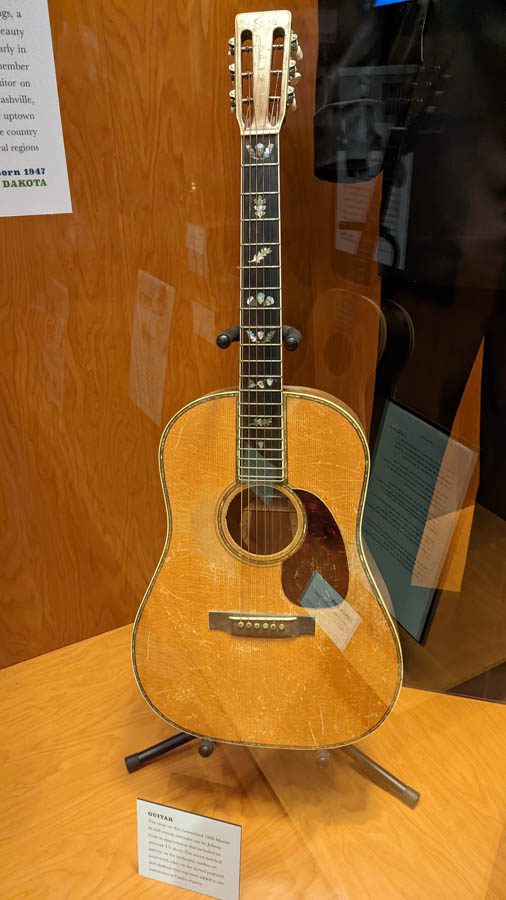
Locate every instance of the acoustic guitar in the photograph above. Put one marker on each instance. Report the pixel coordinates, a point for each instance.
(262, 624)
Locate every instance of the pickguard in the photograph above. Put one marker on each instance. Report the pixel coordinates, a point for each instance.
(322, 552)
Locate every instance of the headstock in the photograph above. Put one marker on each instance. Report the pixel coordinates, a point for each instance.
(263, 46)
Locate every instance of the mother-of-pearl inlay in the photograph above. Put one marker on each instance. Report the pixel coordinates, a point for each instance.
(260, 206)
(261, 254)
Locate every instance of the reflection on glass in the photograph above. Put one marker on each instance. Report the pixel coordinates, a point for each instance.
(351, 335)
(204, 322)
(153, 308)
(196, 249)
(418, 484)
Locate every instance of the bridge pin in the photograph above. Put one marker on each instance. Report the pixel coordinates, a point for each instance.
(273, 626)
(248, 624)
(240, 624)
(265, 626)
(257, 625)
(281, 626)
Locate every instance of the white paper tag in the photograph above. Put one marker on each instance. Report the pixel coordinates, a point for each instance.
(339, 623)
(189, 851)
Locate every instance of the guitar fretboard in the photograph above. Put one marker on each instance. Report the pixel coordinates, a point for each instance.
(261, 436)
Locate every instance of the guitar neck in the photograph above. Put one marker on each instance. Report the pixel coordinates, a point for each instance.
(261, 432)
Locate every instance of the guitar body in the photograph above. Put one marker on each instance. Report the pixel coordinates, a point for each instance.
(232, 562)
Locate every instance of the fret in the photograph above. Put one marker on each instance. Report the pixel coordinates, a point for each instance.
(259, 345)
(260, 287)
(259, 465)
(261, 474)
(260, 221)
(259, 191)
(277, 450)
(261, 164)
(277, 459)
(254, 475)
(271, 404)
(271, 479)
(267, 404)
(262, 361)
(254, 445)
(255, 243)
(254, 409)
(262, 371)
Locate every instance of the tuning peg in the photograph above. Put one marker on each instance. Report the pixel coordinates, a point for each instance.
(231, 46)
(296, 48)
(231, 69)
(231, 94)
(293, 74)
(290, 99)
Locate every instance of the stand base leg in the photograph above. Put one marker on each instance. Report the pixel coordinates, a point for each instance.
(365, 765)
(138, 760)
(382, 777)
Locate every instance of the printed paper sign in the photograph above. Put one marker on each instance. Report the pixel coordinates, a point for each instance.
(189, 851)
(33, 169)
(418, 482)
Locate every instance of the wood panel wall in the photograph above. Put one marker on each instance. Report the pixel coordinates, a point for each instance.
(108, 315)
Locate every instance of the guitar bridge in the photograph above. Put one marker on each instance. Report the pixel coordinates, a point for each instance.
(260, 625)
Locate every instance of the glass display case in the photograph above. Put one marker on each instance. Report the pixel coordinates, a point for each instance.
(285, 241)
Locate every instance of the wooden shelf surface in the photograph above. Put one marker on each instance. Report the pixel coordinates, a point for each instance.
(68, 824)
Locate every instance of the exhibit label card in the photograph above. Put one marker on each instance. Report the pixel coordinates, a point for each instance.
(33, 169)
(189, 851)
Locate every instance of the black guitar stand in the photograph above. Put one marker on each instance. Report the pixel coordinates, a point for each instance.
(362, 763)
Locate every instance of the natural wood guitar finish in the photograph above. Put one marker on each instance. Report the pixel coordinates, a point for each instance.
(301, 692)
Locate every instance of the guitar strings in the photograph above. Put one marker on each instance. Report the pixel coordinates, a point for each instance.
(276, 116)
(245, 495)
(259, 503)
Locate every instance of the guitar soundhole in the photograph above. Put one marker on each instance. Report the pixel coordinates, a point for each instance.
(264, 520)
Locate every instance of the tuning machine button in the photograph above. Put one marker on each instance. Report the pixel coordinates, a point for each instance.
(231, 69)
(231, 94)
(293, 74)
(296, 48)
(231, 46)
(290, 99)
